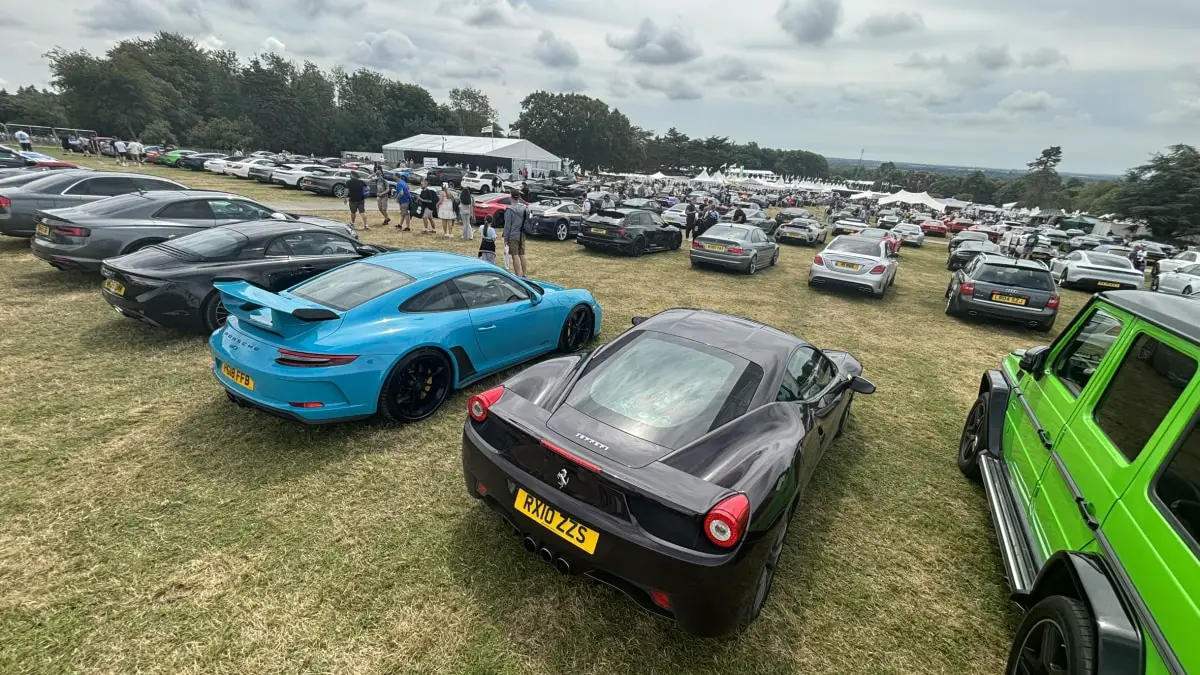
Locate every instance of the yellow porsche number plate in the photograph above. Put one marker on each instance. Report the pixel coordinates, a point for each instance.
(1109, 284)
(597, 230)
(846, 265)
(115, 287)
(237, 376)
(714, 247)
(561, 524)
(43, 229)
(1009, 299)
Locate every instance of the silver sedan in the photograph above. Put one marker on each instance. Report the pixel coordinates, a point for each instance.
(1182, 281)
(741, 247)
(910, 234)
(801, 231)
(855, 262)
(1089, 269)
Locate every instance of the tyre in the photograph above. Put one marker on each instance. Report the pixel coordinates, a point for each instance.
(639, 247)
(213, 312)
(974, 438)
(845, 418)
(1062, 280)
(775, 258)
(753, 267)
(766, 578)
(340, 191)
(1187, 290)
(416, 387)
(577, 330)
(952, 306)
(1056, 636)
(562, 230)
(678, 241)
(1045, 327)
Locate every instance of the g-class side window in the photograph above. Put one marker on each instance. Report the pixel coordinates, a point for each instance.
(1177, 488)
(1082, 356)
(1151, 378)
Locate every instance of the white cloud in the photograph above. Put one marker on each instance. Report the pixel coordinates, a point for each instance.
(386, 51)
(810, 22)
(273, 45)
(674, 87)
(212, 42)
(657, 47)
(555, 52)
(887, 24)
(1029, 101)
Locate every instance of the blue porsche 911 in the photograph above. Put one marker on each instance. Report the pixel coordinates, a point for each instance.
(393, 335)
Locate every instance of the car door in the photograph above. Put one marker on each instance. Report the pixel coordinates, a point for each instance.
(758, 242)
(1120, 416)
(807, 381)
(312, 253)
(226, 211)
(90, 190)
(574, 217)
(511, 324)
(180, 218)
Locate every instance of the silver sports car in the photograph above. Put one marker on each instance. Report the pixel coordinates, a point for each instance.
(1096, 270)
(801, 231)
(83, 236)
(855, 262)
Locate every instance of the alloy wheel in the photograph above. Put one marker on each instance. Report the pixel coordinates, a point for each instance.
(339, 191)
(561, 231)
(577, 330)
(968, 444)
(421, 387)
(1043, 651)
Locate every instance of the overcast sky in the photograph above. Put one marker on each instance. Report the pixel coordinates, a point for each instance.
(937, 81)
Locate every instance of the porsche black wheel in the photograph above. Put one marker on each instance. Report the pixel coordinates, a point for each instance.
(562, 230)
(340, 191)
(974, 439)
(1056, 636)
(213, 312)
(766, 578)
(577, 330)
(417, 387)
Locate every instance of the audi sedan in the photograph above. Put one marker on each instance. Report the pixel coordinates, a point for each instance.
(19, 206)
(1182, 281)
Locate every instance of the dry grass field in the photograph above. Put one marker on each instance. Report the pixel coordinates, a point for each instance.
(148, 525)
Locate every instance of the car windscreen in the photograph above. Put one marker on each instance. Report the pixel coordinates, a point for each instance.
(50, 182)
(873, 233)
(971, 236)
(1110, 260)
(1020, 277)
(906, 229)
(218, 243)
(985, 246)
(694, 388)
(351, 285)
(107, 207)
(727, 233)
(855, 245)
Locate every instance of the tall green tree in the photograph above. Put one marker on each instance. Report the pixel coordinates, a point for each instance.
(472, 111)
(1043, 185)
(1165, 193)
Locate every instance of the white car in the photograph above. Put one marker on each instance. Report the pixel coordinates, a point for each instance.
(845, 226)
(218, 166)
(1181, 281)
(1177, 261)
(1096, 270)
(910, 234)
(855, 262)
(291, 177)
(478, 181)
(242, 169)
(676, 215)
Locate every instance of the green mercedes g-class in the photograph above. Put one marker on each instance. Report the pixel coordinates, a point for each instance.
(1089, 453)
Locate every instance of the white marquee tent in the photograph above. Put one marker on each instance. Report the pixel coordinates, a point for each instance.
(478, 151)
(913, 199)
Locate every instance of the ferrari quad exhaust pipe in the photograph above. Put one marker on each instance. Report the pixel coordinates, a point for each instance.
(529, 544)
(562, 566)
(545, 554)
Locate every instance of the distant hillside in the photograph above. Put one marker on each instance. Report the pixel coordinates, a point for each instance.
(869, 166)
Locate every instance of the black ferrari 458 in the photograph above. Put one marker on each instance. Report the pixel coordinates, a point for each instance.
(666, 464)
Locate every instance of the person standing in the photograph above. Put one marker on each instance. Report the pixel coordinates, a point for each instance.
(23, 139)
(383, 193)
(429, 202)
(447, 212)
(514, 233)
(487, 244)
(466, 211)
(121, 151)
(136, 150)
(690, 213)
(405, 200)
(739, 216)
(356, 191)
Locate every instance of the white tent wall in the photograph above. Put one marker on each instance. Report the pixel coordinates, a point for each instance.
(913, 199)
(484, 151)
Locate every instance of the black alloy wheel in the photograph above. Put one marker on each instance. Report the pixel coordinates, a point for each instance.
(214, 313)
(974, 439)
(1056, 637)
(561, 230)
(775, 258)
(766, 578)
(340, 191)
(577, 330)
(417, 387)
(639, 247)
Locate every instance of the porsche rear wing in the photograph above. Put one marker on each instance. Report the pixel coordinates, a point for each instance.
(271, 312)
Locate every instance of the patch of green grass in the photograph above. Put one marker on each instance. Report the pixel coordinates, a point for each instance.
(148, 525)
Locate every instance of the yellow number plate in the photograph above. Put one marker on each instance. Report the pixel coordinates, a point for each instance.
(714, 247)
(597, 230)
(1109, 284)
(43, 229)
(561, 524)
(1009, 299)
(115, 287)
(846, 265)
(237, 376)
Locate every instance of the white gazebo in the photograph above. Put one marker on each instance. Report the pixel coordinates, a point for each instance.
(913, 199)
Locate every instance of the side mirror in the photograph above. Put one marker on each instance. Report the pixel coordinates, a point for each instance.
(279, 216)
(1033, 361)
(639, 319)
(535, 298)
(861, 385)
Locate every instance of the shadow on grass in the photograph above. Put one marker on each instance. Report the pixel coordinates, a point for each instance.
(14, 245)
(121, 334)
(47, 280)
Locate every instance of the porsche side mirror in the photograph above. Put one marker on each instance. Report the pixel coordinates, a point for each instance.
(535, 298)
(1033, 361)
(639, 319)
(279, 216)
(861, 385)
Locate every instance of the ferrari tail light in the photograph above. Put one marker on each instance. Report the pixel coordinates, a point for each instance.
(696, 244)
(478, 406)
(818, 260)
(5, 202)
(736, 250)
(967, 288)
(1052, 303)
(878, 269)
(726, 522)
(68, 231)
(287, 357)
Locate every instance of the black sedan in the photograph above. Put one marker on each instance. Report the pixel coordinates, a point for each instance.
(628, 231)
(968, 251)
(666, 464)
(170, 284)
(333, 183)
(196, 162)
(651, 205)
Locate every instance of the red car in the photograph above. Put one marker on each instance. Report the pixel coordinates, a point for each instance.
(957, 225)
(52, 164)
(491, 205)
(992, 233)
(893, 241)
(934, 227)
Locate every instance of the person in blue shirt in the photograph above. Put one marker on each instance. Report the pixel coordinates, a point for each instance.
(403, 198)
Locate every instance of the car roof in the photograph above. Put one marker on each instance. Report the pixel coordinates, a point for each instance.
(425, 264)
(754, 341)
(271, 226)
(1015, 262)
(183, 194)
(1176, 313)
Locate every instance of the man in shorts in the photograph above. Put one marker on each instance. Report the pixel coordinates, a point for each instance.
(514, 233)
(356, 192)
(404, 199)
(23, 138)
(121, 151)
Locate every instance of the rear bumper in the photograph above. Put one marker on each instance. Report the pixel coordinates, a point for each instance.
(708, 593)
(63, 257)
(1105, 283)
(793, 238)
(997, 310)
(160, 307)
(720, 260)
(591, 241)
(871, 283)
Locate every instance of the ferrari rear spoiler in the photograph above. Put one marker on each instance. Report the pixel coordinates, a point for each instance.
(285, 317)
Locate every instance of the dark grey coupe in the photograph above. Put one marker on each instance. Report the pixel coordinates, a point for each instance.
(741, 247)
(83, 236)
(19, 206)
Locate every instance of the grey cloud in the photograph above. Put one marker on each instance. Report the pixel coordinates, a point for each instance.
(1184, 112)
(571, 82)
(487, 13)
(810, 22)
(885, 24)
(976, 69)
(554, 51)
(1028, 102)
(474, 73)
(1043, 58)
(655, 47)
(386, 51)
(923, 62)
(737, 70)
(676, 88)
(125, 16)
(619, 87)
(991, 58)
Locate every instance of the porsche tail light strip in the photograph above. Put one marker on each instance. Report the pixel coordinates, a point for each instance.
(478, 406)
(287, 357)
(5, 202)
(570, 457)
(726, 522)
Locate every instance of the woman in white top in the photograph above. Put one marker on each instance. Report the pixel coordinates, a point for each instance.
(446, 210)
